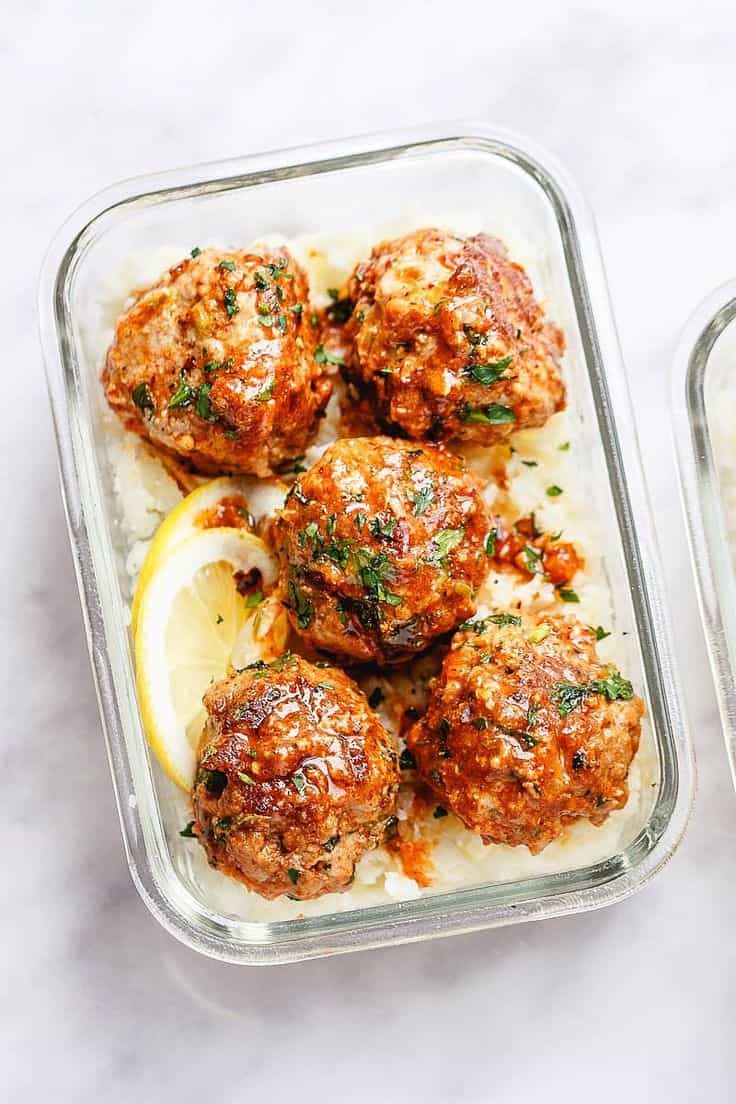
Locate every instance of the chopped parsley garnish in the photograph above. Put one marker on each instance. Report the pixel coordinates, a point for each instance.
(246, 778)
(300, 781)
(297, 309)
(228, 265)
(375, 574)
(444, 542)
(568, 595)
(491, 372)
(184, 394)
(187, 832)
(407, 760)
(491, 540)
(564, 447)
(532, 558)
(422, 500)
(301, 605)
(383, 527)
(439, 812)
(554, 491)
(530, 463)
(331, 843)
(493, 414)
(230, 300)
(203, 406)
(266, 392)
(220, 619)
(322, 356)
(479, 625)
(568, 696)
(600, 632)
(143, 399)
(195, 252)
(293, 875)
(254, 599)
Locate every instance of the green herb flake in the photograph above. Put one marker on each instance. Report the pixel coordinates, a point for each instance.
(568, 696)
(254, 599)
(293, 875)
(143, 399)
(493, 414)
(554, 491)
(203, 406)
(301, 605)
(491, 541)
(266, 392)
(568, 595)
(331, 843)
(230, 301)
(246, 778)
(300, 781)
(322, 356)
(444, 542)
(532, 558)
(564, 447)
(220, 619)
(422, 500)
(195, 252)
(187, 832)
(530, 463)
(489, 373)
(229, 266)
(600, 632)
(439, 812)
(297, 309)
(184, 394)
(383, 528)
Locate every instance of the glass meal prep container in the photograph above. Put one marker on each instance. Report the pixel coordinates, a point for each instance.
(331, 187)
(703, 409)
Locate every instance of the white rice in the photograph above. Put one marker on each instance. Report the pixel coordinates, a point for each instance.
(144, 494)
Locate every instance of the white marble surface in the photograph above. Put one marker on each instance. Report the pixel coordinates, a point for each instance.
(98, 1002)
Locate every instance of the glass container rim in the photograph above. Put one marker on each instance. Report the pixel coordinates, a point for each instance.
(461, 910)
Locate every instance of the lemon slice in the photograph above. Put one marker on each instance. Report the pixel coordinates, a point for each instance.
(192, 624)
(199, 511)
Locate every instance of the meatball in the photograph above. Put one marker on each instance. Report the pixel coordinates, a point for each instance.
(382, 548)
(445, 340)
(297, 778)
(215, 364)
(526, 730)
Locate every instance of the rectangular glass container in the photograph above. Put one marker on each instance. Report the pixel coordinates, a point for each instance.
(704, 424)
(328, 188)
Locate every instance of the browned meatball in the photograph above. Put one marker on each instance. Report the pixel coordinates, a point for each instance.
(446, 340)
(215, 363)
(526, 730)
(382, 548)
(297, 778)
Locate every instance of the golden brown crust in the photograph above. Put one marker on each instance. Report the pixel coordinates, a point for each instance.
(527, 731)
(382, 548)
(215, 363)
(446, 340)
(297, 778)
